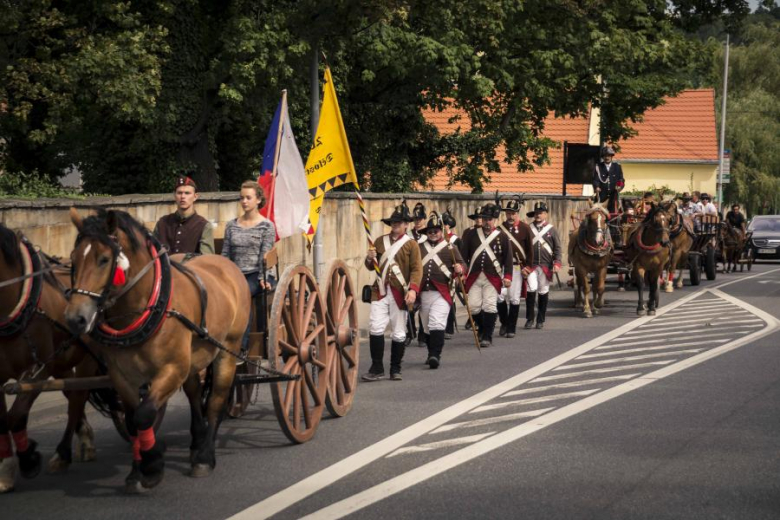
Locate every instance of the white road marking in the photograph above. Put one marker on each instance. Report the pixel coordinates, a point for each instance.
(667, 345)
(601, 371)
(676, 317)
(629, 358)
(440, 444)
(410, 478)
(570, 384)
(491, 420)
(534, 400)
(327, 476)
(701, 304)
(675, 333)
(709, 322)
(693, 314)
(646, 349)
(661, 340)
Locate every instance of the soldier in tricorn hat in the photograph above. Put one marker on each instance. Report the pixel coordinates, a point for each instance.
(477, 225)
(441, 263)
(520, 238)
(419, 216)
(489, 256)
(546, 262)
(452, 238)
(394, 291)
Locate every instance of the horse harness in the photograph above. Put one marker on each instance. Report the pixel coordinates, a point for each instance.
(591, 250)
(32, 289)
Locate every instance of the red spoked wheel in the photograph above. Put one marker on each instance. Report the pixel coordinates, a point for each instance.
(344, 339)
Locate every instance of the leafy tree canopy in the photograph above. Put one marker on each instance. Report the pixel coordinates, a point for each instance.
(133, 93)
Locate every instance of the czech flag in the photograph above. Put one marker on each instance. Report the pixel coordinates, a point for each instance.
(283, 177)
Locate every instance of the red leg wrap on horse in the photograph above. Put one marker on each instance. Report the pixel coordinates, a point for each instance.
(146, 438)
(20, 439)
(6, 448)
(671, 277)
(136, 448)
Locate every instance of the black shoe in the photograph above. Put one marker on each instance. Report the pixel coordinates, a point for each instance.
(502, 331)
(447, 335)
(395, 376)
(488, 325)
(433, 362)
(370, 377)
(485, 343)
(529, 324)
(539, 324)
(510, 335)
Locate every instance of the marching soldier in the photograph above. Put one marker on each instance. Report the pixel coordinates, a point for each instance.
(449, 235)
(520, 238)
(608, 179)
(394, 291)
(546, 262)
(441, 262)
(418, 233)
(490, 267)
(477, 225)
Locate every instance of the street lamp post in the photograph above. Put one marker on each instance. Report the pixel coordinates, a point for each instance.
(722, 146)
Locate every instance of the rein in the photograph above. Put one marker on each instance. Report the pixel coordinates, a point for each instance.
(31, 293)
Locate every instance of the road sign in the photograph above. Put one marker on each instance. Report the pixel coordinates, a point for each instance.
(726, 173)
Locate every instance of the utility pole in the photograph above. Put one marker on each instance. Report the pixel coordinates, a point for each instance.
(314, 77)
(722, 146)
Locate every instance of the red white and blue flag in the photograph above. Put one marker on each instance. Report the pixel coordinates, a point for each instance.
(283, 177)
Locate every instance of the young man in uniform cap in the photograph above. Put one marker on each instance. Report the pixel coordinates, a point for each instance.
(450, 236)
(184, 231)
(441, 263)
(520, 239)
(418, 234)
(394, 291)
(477, 225)
(489, 256)
(608, 179)
(546, 262)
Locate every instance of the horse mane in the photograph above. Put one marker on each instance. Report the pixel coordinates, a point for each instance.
(9, 245)
(96, 227)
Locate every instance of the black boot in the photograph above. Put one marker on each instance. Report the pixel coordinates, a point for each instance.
(377, 370)
(435, 347)
(486, 332)
(396, 356)
(511, 326)
(450, 330)
(422, 337)
(476, 318)
(530, 301)
(543, 298)
(503, 314)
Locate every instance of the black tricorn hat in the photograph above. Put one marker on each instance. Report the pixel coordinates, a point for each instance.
(435, 221)
(476, 214)
(539, 206)
(513, 205)
(490, 210)
(400, 214)
(418, 211)
(448, 219)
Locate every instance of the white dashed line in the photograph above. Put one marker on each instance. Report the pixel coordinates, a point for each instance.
(441, 444)
(534, 400)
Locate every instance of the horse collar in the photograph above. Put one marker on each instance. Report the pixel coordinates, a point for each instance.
(32, 288)
(653, 249)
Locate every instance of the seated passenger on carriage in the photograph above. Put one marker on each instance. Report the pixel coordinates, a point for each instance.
(247, 239)
(648, 200)
(184, 231)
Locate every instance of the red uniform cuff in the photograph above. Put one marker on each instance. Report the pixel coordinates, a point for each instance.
(557, 264)
(508, 276)
(414, 287)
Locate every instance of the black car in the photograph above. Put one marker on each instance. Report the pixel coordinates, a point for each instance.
(766, 237)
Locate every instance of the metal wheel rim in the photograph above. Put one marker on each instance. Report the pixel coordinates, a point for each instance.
(342, 316)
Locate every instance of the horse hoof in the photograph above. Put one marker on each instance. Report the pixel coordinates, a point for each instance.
(152, 480)
(133, 480)
(201, 470)
(7, 474)
(621, 289)
(57, 465)
(679, 286)
(596, 311)
(651, 312)
(85, 453)
(640, 312)
(669, 289)
(30, 461)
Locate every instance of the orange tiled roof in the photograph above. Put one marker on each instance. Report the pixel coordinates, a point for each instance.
(682, 129)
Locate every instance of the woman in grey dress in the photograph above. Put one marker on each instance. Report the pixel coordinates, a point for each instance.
(247, 239)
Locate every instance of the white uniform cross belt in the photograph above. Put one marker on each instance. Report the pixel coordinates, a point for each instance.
(539, 237)
(514, 240)
(433, 254)
(387, 261)
(485, 247)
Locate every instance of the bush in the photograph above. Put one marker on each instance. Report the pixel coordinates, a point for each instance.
(33, 186)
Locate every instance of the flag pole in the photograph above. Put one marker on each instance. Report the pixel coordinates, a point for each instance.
(282, 116)
(314, 99)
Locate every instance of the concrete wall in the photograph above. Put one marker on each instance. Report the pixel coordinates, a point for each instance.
(47, 224)
(640, 176)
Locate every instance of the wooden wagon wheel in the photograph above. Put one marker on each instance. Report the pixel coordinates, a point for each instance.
(298, 345)
(344, 338)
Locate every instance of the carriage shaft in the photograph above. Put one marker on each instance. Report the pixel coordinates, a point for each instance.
(57, 385)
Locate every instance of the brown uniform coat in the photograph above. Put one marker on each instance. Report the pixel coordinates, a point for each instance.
(408, 261)
(522, 234)
(433, 278)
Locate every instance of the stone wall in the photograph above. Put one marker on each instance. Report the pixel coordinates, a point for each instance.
(47, 224)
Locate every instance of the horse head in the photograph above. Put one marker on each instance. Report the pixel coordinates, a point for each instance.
(659, 219)
(107, 249)
(596, 224)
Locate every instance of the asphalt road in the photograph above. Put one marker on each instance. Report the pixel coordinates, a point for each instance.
(612, 417)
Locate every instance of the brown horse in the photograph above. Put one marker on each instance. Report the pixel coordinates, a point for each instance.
(35, 344)
(681, 237)
(128, 298)
(648, 252)
(732, 242)
(590, 251)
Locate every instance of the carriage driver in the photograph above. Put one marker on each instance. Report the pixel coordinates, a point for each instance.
(608, 179)
(184, 231)
(546, 262)
(520, 238)
(441, 262)
(490, 267)
(394, 291)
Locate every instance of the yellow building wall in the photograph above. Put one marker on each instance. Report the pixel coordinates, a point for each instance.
(678, 177)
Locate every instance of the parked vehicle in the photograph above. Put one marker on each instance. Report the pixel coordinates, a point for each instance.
(765, 237)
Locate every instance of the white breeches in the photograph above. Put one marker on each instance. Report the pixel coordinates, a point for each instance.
(483, 297)
(385, 312)
(538, 282)
(515, 290)
(434, 311)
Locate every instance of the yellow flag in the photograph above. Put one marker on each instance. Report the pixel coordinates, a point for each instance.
(330, 161)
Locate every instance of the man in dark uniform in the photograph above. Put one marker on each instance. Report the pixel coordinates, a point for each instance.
(520, 238)
(184, 231)
(450, 236)
(489, 256)
(608, 180)
(441, 263)
(546, 262)
(394, 291)
(419, 216)
(736, 218)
